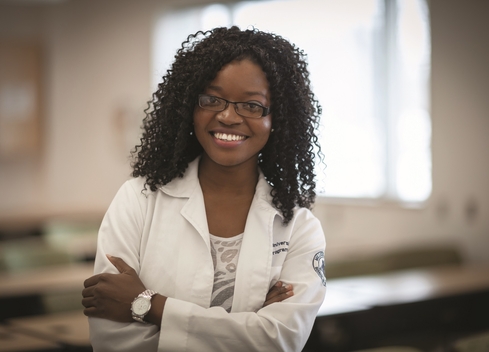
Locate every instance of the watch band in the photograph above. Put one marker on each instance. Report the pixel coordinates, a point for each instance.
(147, 294)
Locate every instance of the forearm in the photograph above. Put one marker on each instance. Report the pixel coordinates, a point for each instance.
(156, 312)
(278, 293)
(282, 326)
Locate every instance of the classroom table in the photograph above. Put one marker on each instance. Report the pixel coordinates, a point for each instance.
(63, 329)
(365, 309)
(45, 280)
(434, 303)
(415, 284)
(11, 341)
(26, 325)
(27, 292)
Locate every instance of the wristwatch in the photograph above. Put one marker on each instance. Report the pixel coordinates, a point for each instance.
(141, 305)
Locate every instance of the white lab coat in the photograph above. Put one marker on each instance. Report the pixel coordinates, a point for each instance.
(164, 236)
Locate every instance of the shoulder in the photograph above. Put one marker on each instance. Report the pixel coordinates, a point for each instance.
(132, 195)
(179, 186)
(306, 226)
(136, 184)
(303, 215)
(135, 188)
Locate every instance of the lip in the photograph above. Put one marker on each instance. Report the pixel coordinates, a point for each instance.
(227, 144)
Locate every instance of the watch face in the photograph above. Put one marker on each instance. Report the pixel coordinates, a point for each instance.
(141, 306)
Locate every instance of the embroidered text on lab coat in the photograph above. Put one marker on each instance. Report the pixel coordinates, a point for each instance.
(279, 247)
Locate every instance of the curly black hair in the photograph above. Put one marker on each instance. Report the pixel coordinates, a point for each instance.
(168, 143)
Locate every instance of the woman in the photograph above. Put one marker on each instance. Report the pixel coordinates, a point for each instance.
(214, 246)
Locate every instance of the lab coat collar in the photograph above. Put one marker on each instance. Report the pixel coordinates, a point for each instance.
(184, 187)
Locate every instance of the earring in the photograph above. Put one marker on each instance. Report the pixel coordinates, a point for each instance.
(272, 130)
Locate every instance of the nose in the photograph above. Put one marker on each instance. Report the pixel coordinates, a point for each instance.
(229, 116)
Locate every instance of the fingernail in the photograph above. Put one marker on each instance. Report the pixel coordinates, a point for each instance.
(286, 286)
(108, 256)
(289, 293)
(278, 284)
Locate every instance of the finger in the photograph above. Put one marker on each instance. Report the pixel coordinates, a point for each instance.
(90, 312)
(287, 287)
(277, 285)
(91, 281)
(279, 298)
(88, 302)
(86, 292)
(119, 264)
(275, 291)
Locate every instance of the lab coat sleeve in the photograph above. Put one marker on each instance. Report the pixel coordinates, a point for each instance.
(283, 326)
(120, 235)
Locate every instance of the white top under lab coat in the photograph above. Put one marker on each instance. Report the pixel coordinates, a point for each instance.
(164, 236)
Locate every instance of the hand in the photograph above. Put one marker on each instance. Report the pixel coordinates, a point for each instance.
(109, 296)
(278, 293)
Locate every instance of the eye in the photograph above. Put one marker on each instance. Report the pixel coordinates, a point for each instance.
(252, 107)
(209, 100)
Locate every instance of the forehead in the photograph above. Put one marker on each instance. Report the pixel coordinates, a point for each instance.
(241, 77)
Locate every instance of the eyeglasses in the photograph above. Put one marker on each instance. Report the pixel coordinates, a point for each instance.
(251, 110)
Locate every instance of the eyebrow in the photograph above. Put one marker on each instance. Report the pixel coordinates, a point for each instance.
(250, 93)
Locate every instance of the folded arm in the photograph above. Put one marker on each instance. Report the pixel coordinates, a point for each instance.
(186, 325)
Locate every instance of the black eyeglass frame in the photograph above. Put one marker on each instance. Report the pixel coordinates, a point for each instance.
(266, 110)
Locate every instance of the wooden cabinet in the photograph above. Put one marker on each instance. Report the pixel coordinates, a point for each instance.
(20, 99)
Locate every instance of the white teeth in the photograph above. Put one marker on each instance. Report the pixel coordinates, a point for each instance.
(228, 137)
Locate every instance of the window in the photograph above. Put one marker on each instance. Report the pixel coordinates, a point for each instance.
(370, 67)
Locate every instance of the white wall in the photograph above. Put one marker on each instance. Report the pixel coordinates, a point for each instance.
(98, 76)
(458, 210)
(97, 55)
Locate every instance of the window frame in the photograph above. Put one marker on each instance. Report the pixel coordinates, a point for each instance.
(386, 83)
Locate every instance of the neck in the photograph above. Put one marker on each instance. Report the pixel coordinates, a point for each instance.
(237, 180)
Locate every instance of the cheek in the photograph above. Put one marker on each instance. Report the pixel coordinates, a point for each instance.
(199, 125)
(263, 132)
(267, 122)
(267, 125)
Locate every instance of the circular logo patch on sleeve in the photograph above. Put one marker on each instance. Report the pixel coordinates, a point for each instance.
(318, 265)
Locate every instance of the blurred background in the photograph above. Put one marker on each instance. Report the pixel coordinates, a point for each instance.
(403, 85)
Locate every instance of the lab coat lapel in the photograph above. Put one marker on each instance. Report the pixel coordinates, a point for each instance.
(194, 212)
(255, 258)
(194, 209)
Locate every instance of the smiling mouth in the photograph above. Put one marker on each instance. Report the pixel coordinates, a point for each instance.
(228, 137)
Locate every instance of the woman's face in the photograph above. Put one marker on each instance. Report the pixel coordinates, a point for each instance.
(227, 138)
